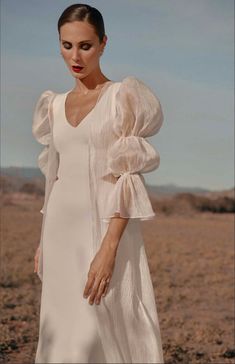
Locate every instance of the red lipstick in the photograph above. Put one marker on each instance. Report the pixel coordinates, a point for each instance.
(77, 69)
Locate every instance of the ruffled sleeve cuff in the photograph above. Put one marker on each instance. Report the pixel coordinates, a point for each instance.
(129, 199)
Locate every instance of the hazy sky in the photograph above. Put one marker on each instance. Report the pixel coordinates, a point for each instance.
(182, 49)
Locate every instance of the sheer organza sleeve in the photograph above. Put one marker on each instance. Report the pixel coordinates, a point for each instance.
(41, 128)
(138, 116)
(48, 159)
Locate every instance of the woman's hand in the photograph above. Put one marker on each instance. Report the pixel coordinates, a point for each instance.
(100, 273)
(36, 258)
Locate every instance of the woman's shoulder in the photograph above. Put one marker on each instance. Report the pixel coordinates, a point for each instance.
(46, 94)
(44, 100)
(132, 82)
(136, 101)
(42, 116)
(136, 89)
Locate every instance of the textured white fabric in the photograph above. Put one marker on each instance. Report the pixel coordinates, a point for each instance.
(48, 159)
(138, 115)
(68, 331)
(42, 127)
(126, 114)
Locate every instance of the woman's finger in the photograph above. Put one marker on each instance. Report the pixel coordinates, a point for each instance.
(105, 289)
(88, 285)
(101, 289)
(94, 289)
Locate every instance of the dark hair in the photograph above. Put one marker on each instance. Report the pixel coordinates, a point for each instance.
(83, 12)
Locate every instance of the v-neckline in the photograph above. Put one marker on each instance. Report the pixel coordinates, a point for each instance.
(102, 93)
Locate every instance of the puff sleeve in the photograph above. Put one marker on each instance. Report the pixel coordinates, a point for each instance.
(138, 116)
(41, 127)
(42, 131)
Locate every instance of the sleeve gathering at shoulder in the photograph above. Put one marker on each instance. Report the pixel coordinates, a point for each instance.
(42, 126)
(138, 116)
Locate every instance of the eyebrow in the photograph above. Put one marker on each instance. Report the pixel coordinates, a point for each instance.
(83, 41)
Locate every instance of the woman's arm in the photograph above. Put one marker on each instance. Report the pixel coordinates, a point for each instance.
(102, 266)
(114, 233)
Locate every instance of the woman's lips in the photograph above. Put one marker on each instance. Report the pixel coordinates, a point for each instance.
(77, 69)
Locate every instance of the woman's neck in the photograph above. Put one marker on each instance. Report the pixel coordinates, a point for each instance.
(87, 85)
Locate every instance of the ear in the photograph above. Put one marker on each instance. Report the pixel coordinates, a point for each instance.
(105, 38)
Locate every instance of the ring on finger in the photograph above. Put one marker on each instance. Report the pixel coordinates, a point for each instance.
(105, 281)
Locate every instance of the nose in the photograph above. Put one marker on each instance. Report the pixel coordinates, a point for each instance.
(75, 54)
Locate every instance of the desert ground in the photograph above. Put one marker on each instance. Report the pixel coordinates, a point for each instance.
(191, 260)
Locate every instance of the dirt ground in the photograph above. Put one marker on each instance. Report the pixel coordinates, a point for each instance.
(191, 259)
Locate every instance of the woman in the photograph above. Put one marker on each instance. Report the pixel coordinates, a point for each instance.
(97, 301)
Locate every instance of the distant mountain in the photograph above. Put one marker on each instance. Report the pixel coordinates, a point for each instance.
(13, 178)
(20, 183)
(21, 172)
(172, 189)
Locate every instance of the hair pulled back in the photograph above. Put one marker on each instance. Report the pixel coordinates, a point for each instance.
(83, 12)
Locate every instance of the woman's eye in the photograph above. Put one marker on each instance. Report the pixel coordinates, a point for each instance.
(66, 45)
(86, 46)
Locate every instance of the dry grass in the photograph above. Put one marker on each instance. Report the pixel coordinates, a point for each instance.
(191, 260)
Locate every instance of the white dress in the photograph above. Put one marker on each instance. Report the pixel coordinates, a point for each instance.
(68, 327)
(124, 328)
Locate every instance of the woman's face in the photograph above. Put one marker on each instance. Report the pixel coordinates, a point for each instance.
(80, 45)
